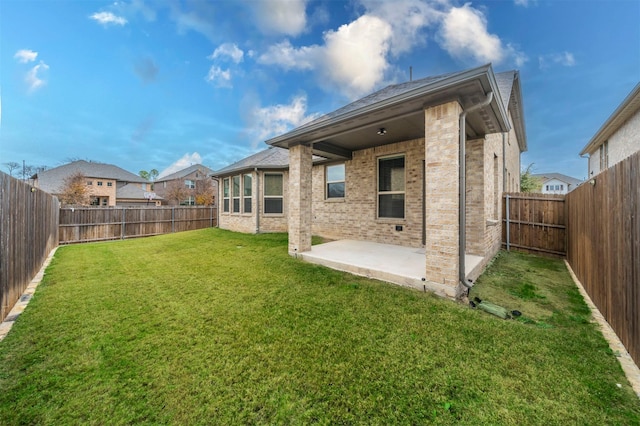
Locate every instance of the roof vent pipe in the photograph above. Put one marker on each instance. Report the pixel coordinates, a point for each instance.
(462, 224)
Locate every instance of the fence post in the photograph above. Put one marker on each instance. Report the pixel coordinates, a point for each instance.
(211, 217)
(122, 227)
(173, 219)
(508, 226)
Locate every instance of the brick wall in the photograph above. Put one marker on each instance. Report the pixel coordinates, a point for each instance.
(355, 216)
(246, 222)
(442, 186)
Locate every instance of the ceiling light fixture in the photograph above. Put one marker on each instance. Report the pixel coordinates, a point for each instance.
(382, 131)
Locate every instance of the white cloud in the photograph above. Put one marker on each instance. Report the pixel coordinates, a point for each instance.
(185, 161)
(523, 3)
(267, 122)
(200, 17)
(219, 77)
(340, 60)
(286, 17)
(408, 20)
(288, 57)
(464, 34)
(34, 78)
(25, 55)
(229, 50)
(565, 59)
(108, 18)
(364, 41)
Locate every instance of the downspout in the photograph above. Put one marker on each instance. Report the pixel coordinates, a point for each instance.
(504, 164)
(462, 224)
(255, 169)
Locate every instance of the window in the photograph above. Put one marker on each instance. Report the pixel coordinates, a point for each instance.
(89, 183)
(105, 201)
(99, 183)
(189, 201)
(273, 193)
(236, 194)
(144, 185)
(604, 155)
(164, 184)
(246, 194)
(391, 187)
(191, 184)
(225, 195)
(335, 181)
(561, 187)
(547, 187)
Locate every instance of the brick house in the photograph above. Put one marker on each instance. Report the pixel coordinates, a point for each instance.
(385, 169)
(189, 178)
(618, 138)
(107, 185)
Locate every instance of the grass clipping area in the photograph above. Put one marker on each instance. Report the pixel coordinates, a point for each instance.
(214, 327)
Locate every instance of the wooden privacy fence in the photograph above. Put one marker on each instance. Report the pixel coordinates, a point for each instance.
(28, 233)
(534, 223)
(604, 246)
(85, 224)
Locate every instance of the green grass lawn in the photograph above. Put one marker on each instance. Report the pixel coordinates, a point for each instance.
(214, 327)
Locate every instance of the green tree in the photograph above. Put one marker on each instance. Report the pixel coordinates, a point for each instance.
(150, 175)
(528, 182)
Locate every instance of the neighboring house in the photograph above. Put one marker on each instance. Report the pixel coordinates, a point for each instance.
(108, 185)
(390, 173)
(189, 178)
(556, 183)
(619, 136)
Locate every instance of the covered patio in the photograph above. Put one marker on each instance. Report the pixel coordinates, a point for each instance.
(400, 265)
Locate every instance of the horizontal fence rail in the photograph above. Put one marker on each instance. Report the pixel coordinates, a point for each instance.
(534, 223)
(87, 224)
(28, 233)
(604, 246)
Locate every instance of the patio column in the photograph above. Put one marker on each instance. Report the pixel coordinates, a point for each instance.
(300, 164)
(441, 194)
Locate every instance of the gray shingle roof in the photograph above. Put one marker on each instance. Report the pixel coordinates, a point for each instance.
(132, 192)
(505, 84)
(559, 176)
(270, 158)
(185, 172)
(52, 180)
(381, 95)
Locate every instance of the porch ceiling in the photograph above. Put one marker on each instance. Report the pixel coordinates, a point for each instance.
(402, 118)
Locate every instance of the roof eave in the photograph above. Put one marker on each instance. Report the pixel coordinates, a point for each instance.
(609, 127)
(457, 79)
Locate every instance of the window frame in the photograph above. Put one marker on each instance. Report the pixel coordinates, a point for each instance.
(379, 193)
(266, 196)
(226, 207)
(236, 196)
(190, 183)
(246, 197)
(328, 182)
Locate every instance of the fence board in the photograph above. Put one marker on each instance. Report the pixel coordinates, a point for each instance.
(604, 246)
(85, 224)
(28, 233)
(535, 223)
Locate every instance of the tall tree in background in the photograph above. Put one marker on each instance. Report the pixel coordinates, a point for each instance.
(12, 165)
(204, 192)
(528, 182)
(75, 191)
(150, 175)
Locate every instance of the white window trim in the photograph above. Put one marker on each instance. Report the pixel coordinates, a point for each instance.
(227, 197)
(327, 182)
(250, 197)
(265, 197)
(378, 192)
(237, 196)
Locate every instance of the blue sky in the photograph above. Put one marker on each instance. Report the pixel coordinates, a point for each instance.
(164, 84)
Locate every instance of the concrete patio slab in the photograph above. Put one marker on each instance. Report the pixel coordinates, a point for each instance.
(400, 265)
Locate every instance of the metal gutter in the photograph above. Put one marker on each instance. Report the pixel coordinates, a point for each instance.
(462, 200)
